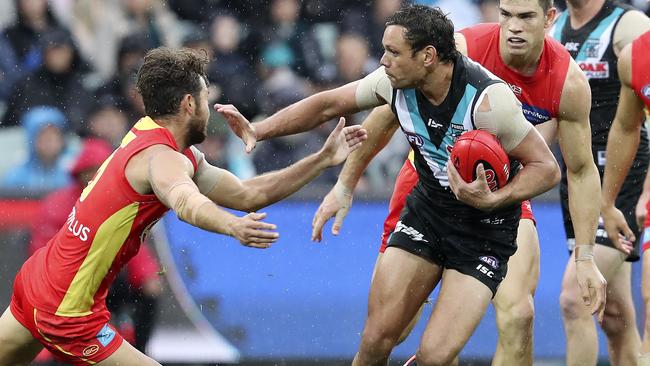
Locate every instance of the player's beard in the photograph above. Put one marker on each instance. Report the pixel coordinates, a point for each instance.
(197, 130)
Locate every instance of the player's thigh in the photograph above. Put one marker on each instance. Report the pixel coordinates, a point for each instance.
(401, 283)
(523, 269)
(17, 346)
(460, 306)
(127, 355)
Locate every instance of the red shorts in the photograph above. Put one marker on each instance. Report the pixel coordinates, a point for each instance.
(78, 341)
(406, 180)
(646, 230)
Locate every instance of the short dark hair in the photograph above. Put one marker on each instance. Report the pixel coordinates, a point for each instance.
(426, 26)
(167, 75)
(546, 4)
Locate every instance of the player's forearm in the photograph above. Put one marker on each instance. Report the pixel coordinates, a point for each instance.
(303, 116)
(584, 203)
(534, 179)
(359, 159)
(196, 209)
(271, 187)
(621, 148)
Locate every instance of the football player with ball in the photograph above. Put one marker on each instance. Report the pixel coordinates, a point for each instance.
(424, 79)
(556, 99)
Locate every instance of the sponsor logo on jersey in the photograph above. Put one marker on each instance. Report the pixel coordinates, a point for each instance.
(516, 89)
(646, 91)
(105, 335)
(75, 227)
(492, 221)
(535, 115)
(595, 69)
(486, 271)
(591, 47)
(433, 124)
(572, 46)
(490, 260)
(414, 139)
(411, 232)
(90, 350)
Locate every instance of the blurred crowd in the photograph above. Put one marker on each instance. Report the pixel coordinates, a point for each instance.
(67, 91)
(67, 73)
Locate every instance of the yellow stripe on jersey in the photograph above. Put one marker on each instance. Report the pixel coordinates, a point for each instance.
(146, 123)
(411, 157)
(98, 174)
(107, 243)
(127, 138)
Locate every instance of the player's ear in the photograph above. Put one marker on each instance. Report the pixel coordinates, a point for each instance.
(188, 103)
(550, 16)
(430, 54)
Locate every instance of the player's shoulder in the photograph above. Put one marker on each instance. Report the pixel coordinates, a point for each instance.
(576, 92)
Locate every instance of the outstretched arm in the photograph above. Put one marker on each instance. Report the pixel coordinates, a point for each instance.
(169, 174)
(371, 91)
(381, 125)
(263, 190)
(622, 144)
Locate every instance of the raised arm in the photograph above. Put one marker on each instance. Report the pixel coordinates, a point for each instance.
(252, 194)
(371, 91)
(622, 144)
(381, 125)
(169, 174)
(500, 113)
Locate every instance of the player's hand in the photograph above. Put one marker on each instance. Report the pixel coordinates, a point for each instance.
(337, 202)
(641, 210)
(341, 142)
(252, 232)
(593, 287)
(238, 124)
(617, 229)
(476, 194)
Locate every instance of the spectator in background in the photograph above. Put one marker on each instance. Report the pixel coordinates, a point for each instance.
(489, 10)
(284, 26)
(229, 69)
(152, 19)
(58, 82)
(134, 295)
(9, 72)
(372, 27)
(33, 19)
(129, 57)
(462, 13)
(106, 121)
(44, 169)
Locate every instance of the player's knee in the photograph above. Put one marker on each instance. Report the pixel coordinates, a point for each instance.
(376, 341)
(517, 318)
(435, 355)
(571, 305)
(617, 318)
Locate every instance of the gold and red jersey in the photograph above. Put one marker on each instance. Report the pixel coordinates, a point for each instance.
(640, 66)
(71, 275)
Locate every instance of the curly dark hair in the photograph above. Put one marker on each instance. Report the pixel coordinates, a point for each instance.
(427, 26)
(167, 75)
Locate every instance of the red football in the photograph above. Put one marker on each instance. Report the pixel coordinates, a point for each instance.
(475, 147)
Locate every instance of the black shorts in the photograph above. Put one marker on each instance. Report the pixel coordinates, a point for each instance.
(626, 202)
(477, 246)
